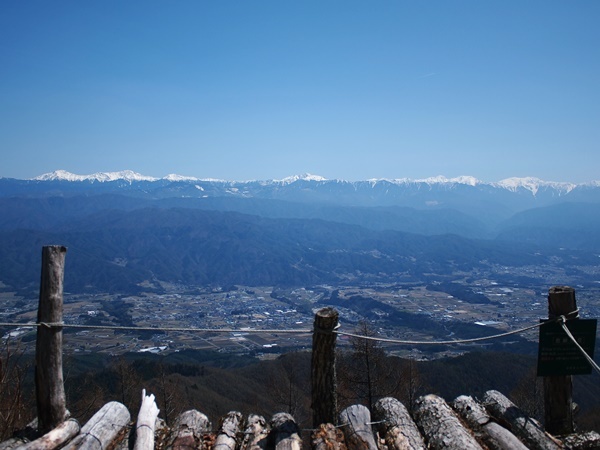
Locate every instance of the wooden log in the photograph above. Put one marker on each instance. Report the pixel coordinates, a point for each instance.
(356, 425)
(256, 433)
(524, 427)
(12, 443)
(589, 440)
(188, 430)
(102, 429)
(441, 426)
(145, 427)
(22, 437)
(55, 438)
(558, 390)
(285, 433)
(323, 376)
(396, 426)
(49, 384)
(229, 431)
(327, 437)
(486, 430)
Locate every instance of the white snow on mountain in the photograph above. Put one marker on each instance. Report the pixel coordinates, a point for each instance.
(303, 177)
(63, 175)
(533, 184)
(468, 180)
(513, 184)
(174, 177)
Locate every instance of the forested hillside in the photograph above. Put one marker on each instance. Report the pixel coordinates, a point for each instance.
(216, 383)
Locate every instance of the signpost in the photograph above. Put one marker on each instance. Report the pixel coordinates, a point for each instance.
(558, 355)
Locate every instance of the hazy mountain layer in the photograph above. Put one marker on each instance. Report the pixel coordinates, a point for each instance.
(124, 231)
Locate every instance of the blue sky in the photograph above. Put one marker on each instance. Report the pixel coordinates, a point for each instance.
(259, 89)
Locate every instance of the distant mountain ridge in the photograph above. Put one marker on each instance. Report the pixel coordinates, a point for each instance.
(515, 194)
(530, 183)
(486, 203)
(298, 230)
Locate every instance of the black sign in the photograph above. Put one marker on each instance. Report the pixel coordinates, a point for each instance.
(558, 355)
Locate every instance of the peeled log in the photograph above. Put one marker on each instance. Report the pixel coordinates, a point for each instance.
(523, 426)
(285, 433)
(229, 429)
(356, 424)
(188, 430)
(55, 438)
(328, 437)
(255, 434)
(397, 427)
(12, 443)
(102, 428)
(493, 435)
(27, 435)
(441, 426)
(145, 427)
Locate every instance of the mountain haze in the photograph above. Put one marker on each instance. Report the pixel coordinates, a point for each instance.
(124, 229)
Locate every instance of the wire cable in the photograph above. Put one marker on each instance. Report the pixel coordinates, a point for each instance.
(587, 357)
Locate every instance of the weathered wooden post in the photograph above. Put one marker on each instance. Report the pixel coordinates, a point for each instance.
(49, 385)
(558, 390)
(323, 376)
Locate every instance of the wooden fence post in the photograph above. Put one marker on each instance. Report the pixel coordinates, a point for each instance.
(558, 390)
(323, 376)
(49, 385)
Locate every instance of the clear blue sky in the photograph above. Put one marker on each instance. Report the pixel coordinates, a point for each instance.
(258, 89)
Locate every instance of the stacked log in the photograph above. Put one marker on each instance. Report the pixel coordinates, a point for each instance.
(435, 426)
(229, 430)
(102, 428)
(328, 437)
(256, 433)
(526, 428)
(55, 438)
(441, 426)
(396, 427)
(589, 440)
(356, 425)
(486, 430)
(285, 433)
(188, 431)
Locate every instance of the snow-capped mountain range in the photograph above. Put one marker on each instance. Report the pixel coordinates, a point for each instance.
(421, 225)
(482, 200)
(531, 184)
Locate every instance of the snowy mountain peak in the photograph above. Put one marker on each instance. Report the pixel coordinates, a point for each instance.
(468, 180)
(534, 184)
(63, 175)
(471, 181)
(303, 177)
(174, 177)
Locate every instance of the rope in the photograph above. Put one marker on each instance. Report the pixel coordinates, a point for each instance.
(588, 357)
(561, 319)
(114, 327)
(457, 341)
